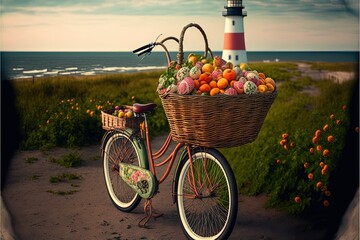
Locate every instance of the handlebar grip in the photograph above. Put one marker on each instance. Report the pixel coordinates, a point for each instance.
(146, 51)
(142, 48)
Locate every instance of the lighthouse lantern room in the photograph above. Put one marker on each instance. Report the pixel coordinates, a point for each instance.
(234, 39)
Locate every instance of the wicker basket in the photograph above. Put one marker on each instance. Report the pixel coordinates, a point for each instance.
(111, 122)
(215, 121)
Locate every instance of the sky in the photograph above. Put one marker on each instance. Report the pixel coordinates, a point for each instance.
(119, 25)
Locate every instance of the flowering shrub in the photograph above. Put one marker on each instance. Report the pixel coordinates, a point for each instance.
(302, 168)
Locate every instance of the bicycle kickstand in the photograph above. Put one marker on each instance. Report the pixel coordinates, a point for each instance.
(150, 212)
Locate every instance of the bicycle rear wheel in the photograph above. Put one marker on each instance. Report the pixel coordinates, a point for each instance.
(120, 148)
(212, 213)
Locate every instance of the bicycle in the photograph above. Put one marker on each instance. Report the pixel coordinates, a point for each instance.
(204, 187)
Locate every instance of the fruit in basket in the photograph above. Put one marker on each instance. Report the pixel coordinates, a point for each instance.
(229, 74)
(218, 62)
(262, 88)
(252, 76)
(186, 86)
(216, 73)
(117, 108)
(270, 81)
(192, 59)
(231, 91)
(194, 72)
(206, 77)
(244, 67)
(214, 91)
(238, 72)
(129, 114)
(121, 114)
(239, 87)
(182, 73)
(222, 83)
(205, 88)
(250, 87)
(207, 68)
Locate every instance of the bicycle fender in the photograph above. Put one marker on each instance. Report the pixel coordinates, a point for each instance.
(139, 144)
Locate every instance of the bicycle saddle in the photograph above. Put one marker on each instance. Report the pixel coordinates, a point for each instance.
(142, 108)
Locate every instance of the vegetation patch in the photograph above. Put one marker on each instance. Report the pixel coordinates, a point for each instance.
(62, 193)
(70, 160)
(31, 160)
(64, 177)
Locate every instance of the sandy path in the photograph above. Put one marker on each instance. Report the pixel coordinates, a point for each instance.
(89, 214)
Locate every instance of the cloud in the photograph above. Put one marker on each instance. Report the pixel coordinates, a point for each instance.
(116, 7)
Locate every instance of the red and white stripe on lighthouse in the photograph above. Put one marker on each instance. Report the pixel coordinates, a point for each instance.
(234, 39)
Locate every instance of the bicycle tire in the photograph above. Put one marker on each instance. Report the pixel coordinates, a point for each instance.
(213, 214)
(120, 148)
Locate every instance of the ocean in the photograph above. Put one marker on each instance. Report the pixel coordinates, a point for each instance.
(18, 65)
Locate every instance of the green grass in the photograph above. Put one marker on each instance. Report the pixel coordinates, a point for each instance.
(64, 177)
(70, 160)
(31, 160)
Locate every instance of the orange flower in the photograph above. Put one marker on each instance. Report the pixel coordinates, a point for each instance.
(278, 161)
(318, 148)
(332, 116)
(315, 139)
(319, 184)
(283, 142)
(338, 122)
(357, 129)
(306, 165)
(326, 203)
(321, 164)
(344, 107)
(330, 138)
(326, 127)
(311, 176)
(318, 133)
(312, 150)
(327, 193)
(326, 153)
(285, 135)
(297, 199)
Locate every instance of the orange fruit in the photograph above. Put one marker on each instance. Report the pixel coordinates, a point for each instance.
(205, 88)
(222, 83)
(207, 67)
(203, 82)
(196, 84)
(261, 75)
(232, 83)
(229, 74)
(262, 88)
(222, 91)
(206, 76)
(213, 84)
(214, 91)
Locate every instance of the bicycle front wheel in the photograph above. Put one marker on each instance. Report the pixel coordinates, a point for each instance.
(210, 211)
(120, 148)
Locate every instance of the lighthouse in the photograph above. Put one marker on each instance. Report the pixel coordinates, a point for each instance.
(234, 39)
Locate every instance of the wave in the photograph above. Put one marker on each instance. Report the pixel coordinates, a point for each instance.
(128, 69)
(18, 69)
(35, 71)
(71, 68)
